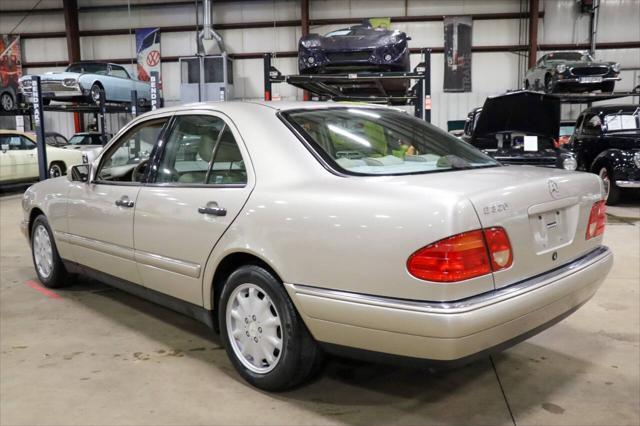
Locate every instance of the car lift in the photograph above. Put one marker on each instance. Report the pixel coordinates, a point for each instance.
(35, 110)
(334, 86)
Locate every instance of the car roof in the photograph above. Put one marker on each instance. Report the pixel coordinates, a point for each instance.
(234, 107)
(612, 108)
(16, 132)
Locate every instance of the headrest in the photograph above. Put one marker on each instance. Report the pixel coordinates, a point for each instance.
(205, 150)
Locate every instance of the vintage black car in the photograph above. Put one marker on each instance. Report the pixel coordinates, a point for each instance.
(606, 141)
(519, 128)
(571, 72)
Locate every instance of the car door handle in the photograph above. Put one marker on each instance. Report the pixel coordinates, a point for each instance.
(212, 209)
(124, 201)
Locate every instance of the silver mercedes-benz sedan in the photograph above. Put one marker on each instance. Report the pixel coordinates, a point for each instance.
(297, 229)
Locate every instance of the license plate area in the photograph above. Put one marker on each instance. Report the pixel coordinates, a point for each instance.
(590, 79)
(553, 228)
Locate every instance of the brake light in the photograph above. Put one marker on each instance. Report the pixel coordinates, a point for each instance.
(462, 256)
(597, 220)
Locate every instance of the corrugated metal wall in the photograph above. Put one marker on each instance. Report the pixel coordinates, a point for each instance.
(492, 72)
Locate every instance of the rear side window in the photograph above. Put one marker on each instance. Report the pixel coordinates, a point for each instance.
(376, 141)
(201, 149)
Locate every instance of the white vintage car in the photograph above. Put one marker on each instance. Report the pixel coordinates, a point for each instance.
(300, 228)
(19, 158)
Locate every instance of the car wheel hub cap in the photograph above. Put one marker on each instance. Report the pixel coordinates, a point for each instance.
(42, 251)
(254, 328)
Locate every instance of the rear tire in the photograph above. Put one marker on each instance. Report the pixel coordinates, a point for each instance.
(265, 338)
(46, 260)
(611, 189)
(56, 169)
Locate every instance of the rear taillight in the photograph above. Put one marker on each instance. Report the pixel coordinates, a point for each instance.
(462, 256)
(597, 220)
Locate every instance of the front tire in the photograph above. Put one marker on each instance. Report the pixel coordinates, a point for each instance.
(549, 84)
(265, 338)
(612, 190)
(97, 93)
(46, 260)
(7, 103)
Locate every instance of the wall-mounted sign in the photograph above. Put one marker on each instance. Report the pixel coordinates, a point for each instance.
(457, 53)
(148, 54)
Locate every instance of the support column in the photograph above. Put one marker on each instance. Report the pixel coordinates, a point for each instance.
(304, 24)
(73, 46)
(533, 31)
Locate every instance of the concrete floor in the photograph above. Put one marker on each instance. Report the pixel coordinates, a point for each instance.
(96, 355)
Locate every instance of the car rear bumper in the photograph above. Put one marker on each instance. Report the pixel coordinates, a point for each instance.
(449, 331)
(628, 183)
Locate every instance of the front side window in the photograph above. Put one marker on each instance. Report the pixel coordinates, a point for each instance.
(127, 159)
(119, 72)
(201, 149)
(376, 141)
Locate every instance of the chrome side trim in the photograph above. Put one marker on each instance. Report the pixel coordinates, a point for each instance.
(97, 245)
(475, 302)
(169, 264)
(628, 183)
(150, 259)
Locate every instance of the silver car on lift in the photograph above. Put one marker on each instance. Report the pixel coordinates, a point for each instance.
(300, 228)
(86, 82)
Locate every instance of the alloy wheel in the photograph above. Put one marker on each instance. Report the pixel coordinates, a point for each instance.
(254, 328)
(43, 251)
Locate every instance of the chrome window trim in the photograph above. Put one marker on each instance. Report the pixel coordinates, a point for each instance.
(464, 305)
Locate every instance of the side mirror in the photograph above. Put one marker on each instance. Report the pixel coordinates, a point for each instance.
(5, 147)
(80, 173)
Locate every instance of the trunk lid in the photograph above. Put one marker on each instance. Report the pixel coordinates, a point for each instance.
(524, 112)
(544, 211)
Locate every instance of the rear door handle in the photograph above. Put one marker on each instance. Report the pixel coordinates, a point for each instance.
(212, 209)
(124, 201)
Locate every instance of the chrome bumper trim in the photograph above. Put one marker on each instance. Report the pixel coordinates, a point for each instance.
(577, 79)
(464, 305)
(628, 183)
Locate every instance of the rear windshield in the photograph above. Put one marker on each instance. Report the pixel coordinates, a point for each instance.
(376, 141)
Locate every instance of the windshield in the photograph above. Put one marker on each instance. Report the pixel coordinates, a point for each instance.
(375, 141)
(80, 140)
(621, 121)
(88, 68)
(567, 129)
(568, 56)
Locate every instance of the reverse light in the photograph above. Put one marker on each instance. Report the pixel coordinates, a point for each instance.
(462, 256)
(597, 220)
